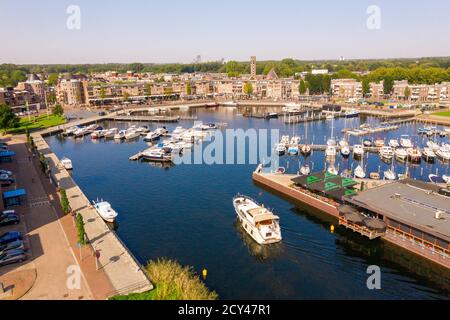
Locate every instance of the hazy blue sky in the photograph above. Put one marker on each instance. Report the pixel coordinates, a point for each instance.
(178, 30)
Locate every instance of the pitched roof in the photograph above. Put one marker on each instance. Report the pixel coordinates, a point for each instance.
(272, 75)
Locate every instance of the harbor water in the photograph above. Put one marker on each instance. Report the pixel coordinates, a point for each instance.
(185, 212)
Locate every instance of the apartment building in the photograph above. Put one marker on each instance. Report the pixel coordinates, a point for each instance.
(346, 88)
(70, 92)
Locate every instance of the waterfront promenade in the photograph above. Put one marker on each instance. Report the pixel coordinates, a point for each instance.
(123, 271)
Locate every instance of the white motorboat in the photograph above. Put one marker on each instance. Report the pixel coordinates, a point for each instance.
(97, 134)
(401, 154)
(414, 155)
(280, 149)
(390, 175)
(158, 155)
(428, 154)
(131, 134)
(446, 178)
(387, 152)
(436, 179)
(295, 140)
(393, 143)
(305, 149)
(433, 145)
(359, 172)
(332, 170)
(70, 131)
(152, 136)
(358, 151)
(178, 131)
(305, 170)
(105, 211)
(352, 113)
(443, 153)
(142, 130)
(331, 142)
(343, 143)
(120, 135)
(260, 223)
(345, 151)
(110, 133)
(285, 140)
(161, 131)
(67, 163)
(405, 142)
(330, 152)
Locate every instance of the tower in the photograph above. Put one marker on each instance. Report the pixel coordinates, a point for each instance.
(253, 66)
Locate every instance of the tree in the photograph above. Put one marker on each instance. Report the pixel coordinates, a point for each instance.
(126, 96)
(51, 98)
(188, 88)
(303, 87)
(52, 79)
(365, 87)
(57, 110)
(7, 118)
(80, 229)
(388, 84)
(407, 93)
(64, 201)
(102, 94)
(248, 88)
(148, 89)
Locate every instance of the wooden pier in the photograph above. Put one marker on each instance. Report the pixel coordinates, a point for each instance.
(145, 118)
(136, 156)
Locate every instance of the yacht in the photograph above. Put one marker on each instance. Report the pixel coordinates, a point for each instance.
(293, 150)
(281, 149)
(305, 170)
(285, 141)
(110, 133)
(359, 172)
(401, 154)
(433, 145)
(158, 155)
(142, 130)
(428, 154)
(330, 152)
(120, 135)
(70, 131)
(405, 142)
(414, 155)
(162, 131)
(152, 136)
(379, 143)
(260, 223)
(105, 211)
(435, 179)
(97, 134)
(343, 143)
(446, 178)
(358, 151)
(393, 143)
(443, 153)
(352, 113)
(131, 134)
(390, 175)
(295, 140)
(178, 131)
(387, 153)
(332, 170)
(305, 149)
(367, 142)
(345, 151)
(67, 163)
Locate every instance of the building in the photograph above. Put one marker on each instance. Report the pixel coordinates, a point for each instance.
(346, 88)
(70, 92)
(253, 67)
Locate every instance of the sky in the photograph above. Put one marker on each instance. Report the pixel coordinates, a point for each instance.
(156, 31)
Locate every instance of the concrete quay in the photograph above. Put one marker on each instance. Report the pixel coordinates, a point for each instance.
(122, 269)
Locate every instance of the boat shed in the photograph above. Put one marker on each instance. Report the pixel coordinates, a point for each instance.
(13, 197)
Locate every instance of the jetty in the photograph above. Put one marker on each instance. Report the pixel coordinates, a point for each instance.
(130, 118)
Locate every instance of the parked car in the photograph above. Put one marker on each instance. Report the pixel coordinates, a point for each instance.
(7, 212)
(12, 256)
(18, 244)
(11, 236)
(6, 172)
(6, 180)
(9, 220)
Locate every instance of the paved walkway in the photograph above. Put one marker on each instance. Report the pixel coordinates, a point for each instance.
(51, 255)
(122, 269)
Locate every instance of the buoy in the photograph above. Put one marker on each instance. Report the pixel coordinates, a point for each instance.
(205, 273)
(332, 228)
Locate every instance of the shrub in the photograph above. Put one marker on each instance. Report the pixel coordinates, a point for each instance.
(64, 201)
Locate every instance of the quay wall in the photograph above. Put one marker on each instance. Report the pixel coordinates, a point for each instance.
(390, 236)
(124, 271)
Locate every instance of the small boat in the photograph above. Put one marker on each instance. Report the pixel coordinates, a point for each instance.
(374, 176)
(142, 130)
(330, 116)
(120, 135)
(110, 133)
(178, 131)
(443, 153)
(352, 113)
(387, 153)
(131, 134)
(293, 150)
(401, 154)
(330, 152)
(158, 155)
(436, 179)
(393, 143)
(359, 172)
(97, 134)
(331, 142)
(70, 131)
(295, 140)
(405, 142)
(433, 145)
(358, 151)
(67, 163)
(105, 210)
(270, 115)
(332, 170)
(209, 126)
(260, 223)
(343, 143)
(280, 170)
(280, 149)
(414, 154)
(367, 142)
(428, 154)
(162, 131)
(379, 143)
(305, 149)
(446, 178)
(305, 170)
(442, 134)
(151, 136)
(345, 151)
(390, 175)
(285, 140)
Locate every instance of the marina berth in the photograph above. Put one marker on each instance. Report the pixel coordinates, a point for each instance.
(260, 223)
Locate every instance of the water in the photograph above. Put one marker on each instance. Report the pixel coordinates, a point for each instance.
(185, 212)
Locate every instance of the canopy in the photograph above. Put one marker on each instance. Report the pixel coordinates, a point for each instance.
(14, 193)
(4, 154)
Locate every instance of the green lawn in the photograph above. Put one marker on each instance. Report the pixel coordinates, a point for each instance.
(442, 114)
(37, 123)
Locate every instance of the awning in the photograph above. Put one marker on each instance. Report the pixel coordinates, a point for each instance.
(14, 193)
(4, 154)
